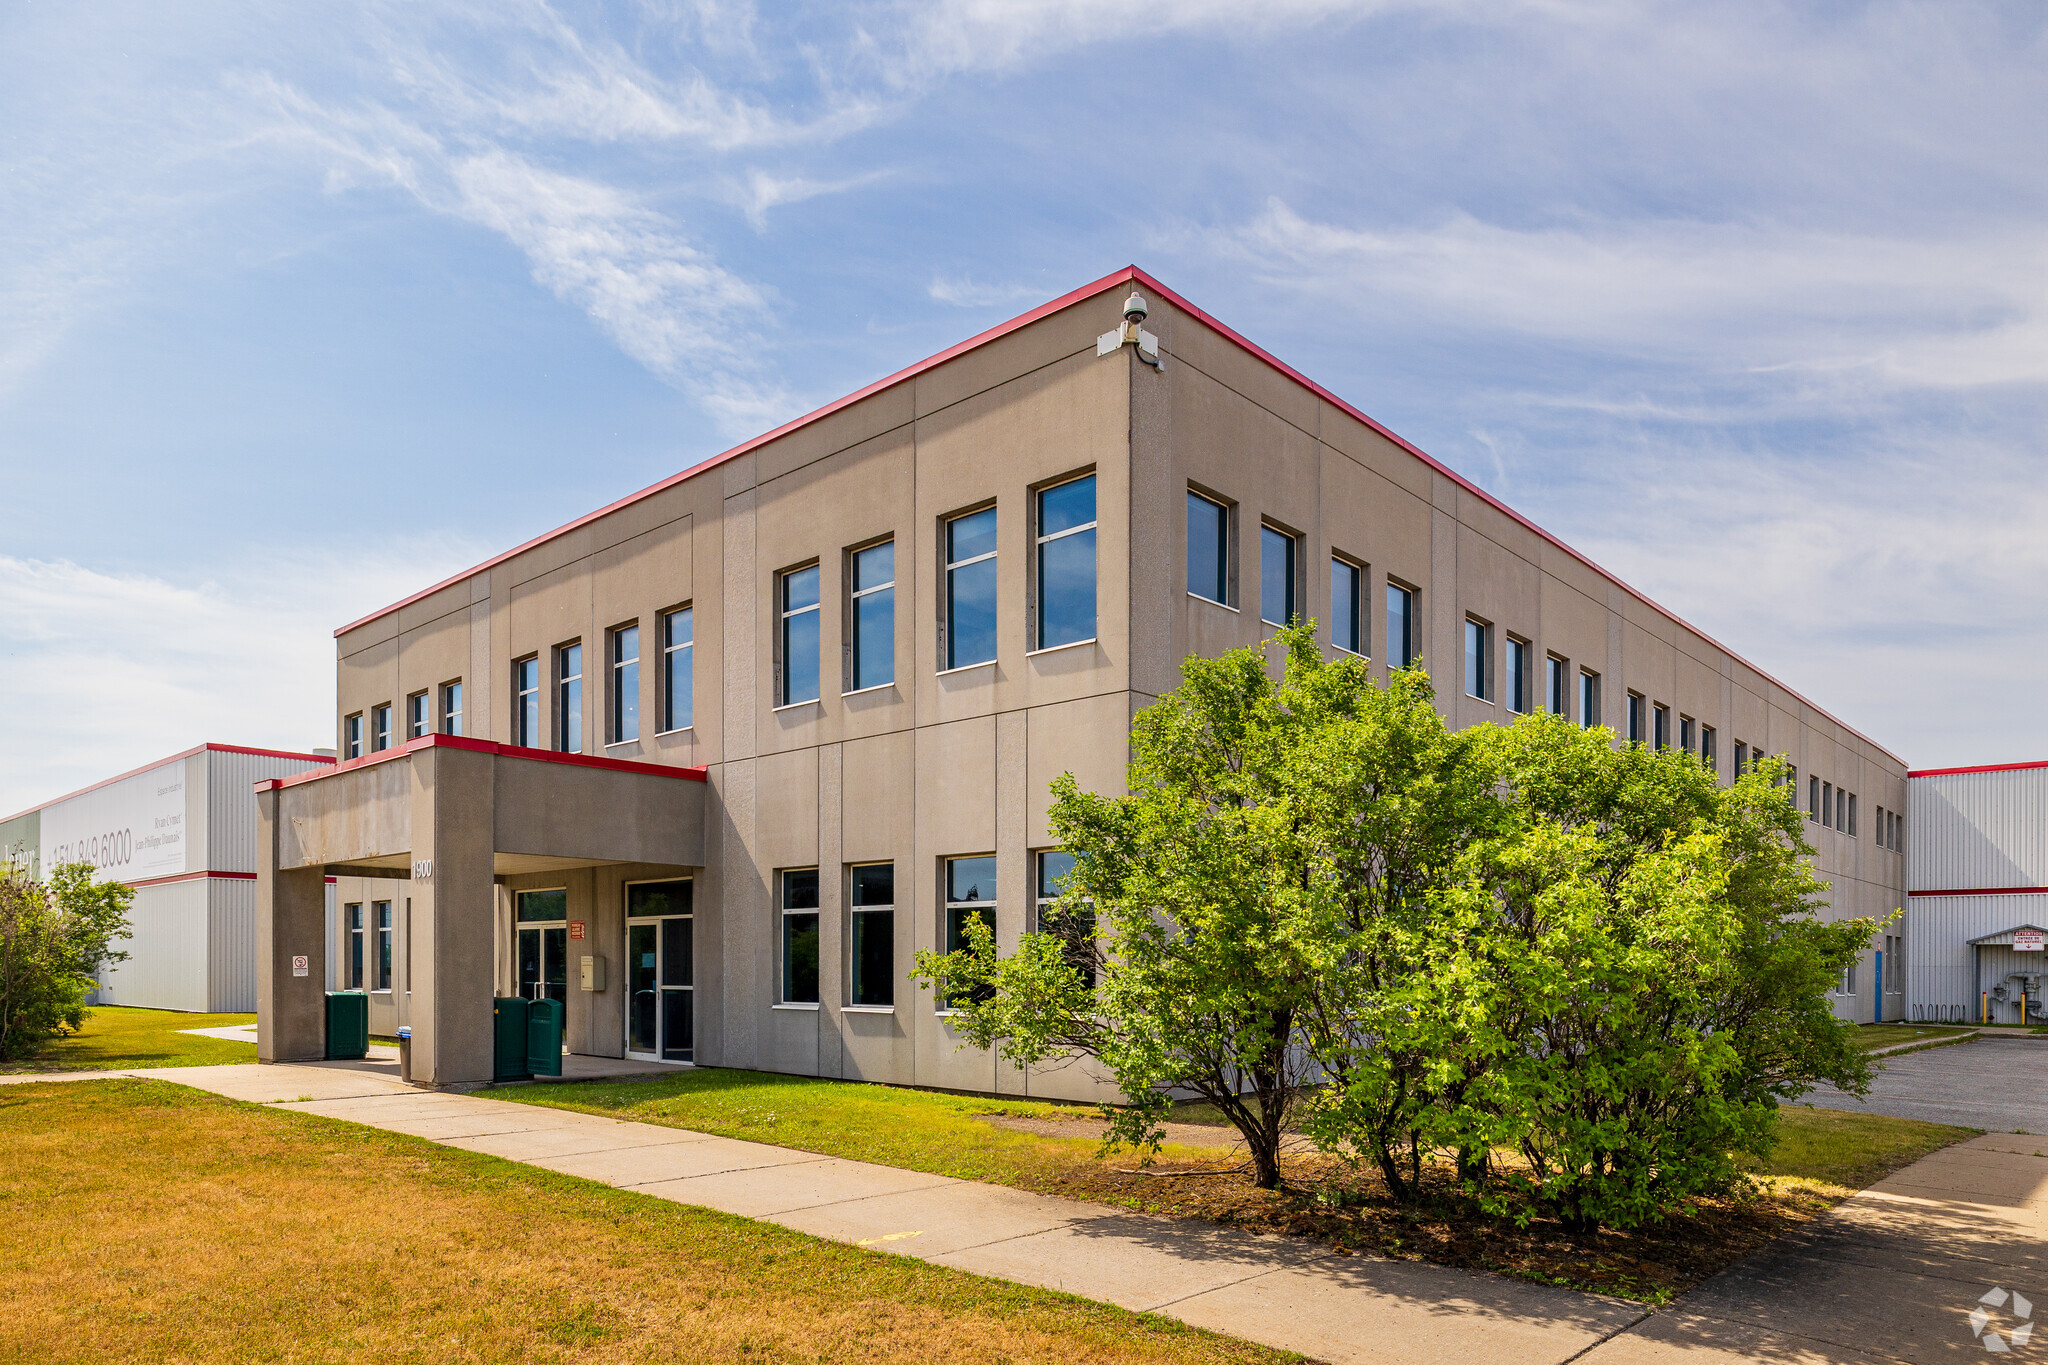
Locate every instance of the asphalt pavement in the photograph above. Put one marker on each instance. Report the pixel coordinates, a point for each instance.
(1999, 1084)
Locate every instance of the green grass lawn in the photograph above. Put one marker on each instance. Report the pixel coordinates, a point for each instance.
(1870, 1037)
(116, 1038)
(149, 1222)
(1850, 1151)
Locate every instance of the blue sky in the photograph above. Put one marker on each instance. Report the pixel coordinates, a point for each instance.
(302, 308)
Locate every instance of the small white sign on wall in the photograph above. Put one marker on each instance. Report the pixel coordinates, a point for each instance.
(301, 967)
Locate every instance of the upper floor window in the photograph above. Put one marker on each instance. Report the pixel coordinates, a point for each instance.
(625, 689)
(797, 600)
(678, 635)
(380, 727)
(1557, 698)
(569, 699)
(1685, 733)
(1707, 754)
(1827, 803)
(526, 703)
(800, 936)
(1065, 535)
(1636, 719)
(1661, 715)
(1400, 626)
(1589, 698)
(451, 708)
(1742, 757)
(1208, 548)
(1812, 799)
(1478, 648)
(1516, 690)
(419, 715)
(352, 736)
(970, 630)
(1347, 605)
(1851, 815)
(1277, 552)
(873, 614)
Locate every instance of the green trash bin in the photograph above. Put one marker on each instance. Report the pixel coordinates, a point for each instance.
(348, 1025)
(508, 1033)
(544, 1021)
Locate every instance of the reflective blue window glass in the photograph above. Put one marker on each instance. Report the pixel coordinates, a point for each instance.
(1066, 563)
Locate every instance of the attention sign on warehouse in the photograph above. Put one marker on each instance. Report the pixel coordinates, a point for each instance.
(2027, 940)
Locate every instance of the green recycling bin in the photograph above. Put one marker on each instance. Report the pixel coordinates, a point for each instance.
(508, 1035)
(348, 1025)
(544, 1021)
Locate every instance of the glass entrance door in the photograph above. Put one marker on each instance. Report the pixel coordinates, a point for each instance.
(660, 1020)
(544, 945)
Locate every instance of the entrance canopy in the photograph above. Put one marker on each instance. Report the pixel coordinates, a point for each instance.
(449, 815)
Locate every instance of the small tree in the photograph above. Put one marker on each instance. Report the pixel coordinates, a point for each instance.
(53, 942)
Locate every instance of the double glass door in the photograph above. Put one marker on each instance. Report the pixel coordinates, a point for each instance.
(544, 945)
(660, 1022)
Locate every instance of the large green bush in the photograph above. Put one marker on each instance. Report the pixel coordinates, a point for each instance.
(53, 941)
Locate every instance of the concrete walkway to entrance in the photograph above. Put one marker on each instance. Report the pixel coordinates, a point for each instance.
(1891, 1275)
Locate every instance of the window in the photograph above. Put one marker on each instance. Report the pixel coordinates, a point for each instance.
(352, 736)
(1208, 548)
(1827, 803)
(451, 708)
(1741, 756)
(352, 917)
(1065, 535)
(796, 595)
(1847, 984)
(382, 911)
(1898, 832)
(1400, 626)
(380, 728)
(1075, 929)
(1852, 815)
(1478, 642)
(970, 629)
(970, 896)
(1277, 551)
(678, 648)
(625, 684)
(1516, 692)
(526, 703)
(800, 936)
(872, 612)
(874, 935)
(1660, 714)
(419, 715)
(1589, 698)
(569, 699)
(1347, 603)
(1685, 733)
(1708, 755)
(1557, 694)
(1812, 798)
(1635, 717)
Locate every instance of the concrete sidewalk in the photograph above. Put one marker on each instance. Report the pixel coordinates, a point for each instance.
(1276, 1290)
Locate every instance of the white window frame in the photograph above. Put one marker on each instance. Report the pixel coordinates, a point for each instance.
(1361, 583)
(352, 735)
(620, 670)
(784, 615)
(673, 657)
(1479, 688)
(451, 707)
(948, 906)
(419, 715)
(850, 678)
(1039, 540)
(383, 964)
(1514, 688)
(567, 689)
(525, 723)
(948, 567)
(1292, 577)
(380, 727)
(1402, 653)
(783, 911)
(854, 912)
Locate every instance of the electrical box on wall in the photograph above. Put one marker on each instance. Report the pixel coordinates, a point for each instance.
(593, 972)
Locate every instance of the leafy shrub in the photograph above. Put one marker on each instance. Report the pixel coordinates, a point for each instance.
(53, 941)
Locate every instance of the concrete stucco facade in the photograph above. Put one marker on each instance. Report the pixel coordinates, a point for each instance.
(944, 763)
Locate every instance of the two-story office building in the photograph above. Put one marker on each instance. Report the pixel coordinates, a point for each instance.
(710, 763)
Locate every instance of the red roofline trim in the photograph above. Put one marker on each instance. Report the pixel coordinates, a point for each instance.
(1129, 274)
(165, 762)
(485, 746)
(1986, 768)
(1986, 891)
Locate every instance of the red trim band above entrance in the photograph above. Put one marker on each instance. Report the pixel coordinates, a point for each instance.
(1986, 768)
(485, 746)
(1987, 891)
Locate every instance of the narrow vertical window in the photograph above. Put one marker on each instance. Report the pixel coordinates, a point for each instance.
(1556, 686)
(1347, 606)
(874, 935)
(1073, 927)
(1852, 815)
(353, 916)
(1065, 532)
(1741, 757)
(1708, 755)
(1636, 719)
(1276, 576)
(797, 602)
(625, 699)
(1812, 799)
(1660, 715)
(970, 896)
(1208, 549)
(970, 589)
(1516, 690)
(1400, 626)
(1589, 698)
(352, 736)
(526, 703)
(451, 708)
(1478, 643)
(678, 648)
(382, 911)
(380, 728)
(419, 715)
(873, 583)
(569, 699)
(800, 936)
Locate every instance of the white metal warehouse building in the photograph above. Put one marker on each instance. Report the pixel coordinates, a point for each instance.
(1977, 893)
(182, 832)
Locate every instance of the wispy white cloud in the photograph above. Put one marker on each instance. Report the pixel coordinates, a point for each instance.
(965, 293)
(761, 191)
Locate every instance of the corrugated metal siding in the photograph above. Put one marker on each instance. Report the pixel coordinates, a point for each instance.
(231, 805)
(231, 945)
(167, 949)
(1968, 830)
(1941, 967)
